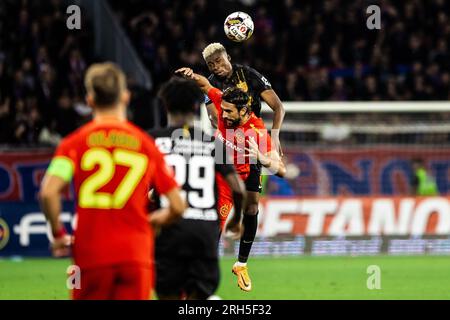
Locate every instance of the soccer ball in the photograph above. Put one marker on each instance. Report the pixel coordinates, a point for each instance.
(238, 26)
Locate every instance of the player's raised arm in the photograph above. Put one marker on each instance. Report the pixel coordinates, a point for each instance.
(205, 86)
(201, 81)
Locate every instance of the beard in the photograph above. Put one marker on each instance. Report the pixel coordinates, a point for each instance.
(232, 123)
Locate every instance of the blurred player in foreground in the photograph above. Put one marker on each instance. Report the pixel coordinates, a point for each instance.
(245, 136)
(186, 252)
(112, 163)
(225, 75)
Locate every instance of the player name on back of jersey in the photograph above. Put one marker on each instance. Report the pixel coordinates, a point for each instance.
(191, 147)
(113, 138)
(203, 145)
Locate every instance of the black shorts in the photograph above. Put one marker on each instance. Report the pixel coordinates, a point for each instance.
(253, 181)
(177, 275)
(186, 256)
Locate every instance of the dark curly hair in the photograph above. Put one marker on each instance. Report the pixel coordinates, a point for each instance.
(181, 96)
(237, 97)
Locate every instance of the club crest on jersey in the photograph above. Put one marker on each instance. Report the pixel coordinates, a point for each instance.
(256, 130)
(4, 233)
(224, 210)
(242, 85)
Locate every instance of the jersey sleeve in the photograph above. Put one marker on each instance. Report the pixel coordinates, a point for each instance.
(62, 164)
(215, 95)
(258, 81)
(163, 176)
(207, 100)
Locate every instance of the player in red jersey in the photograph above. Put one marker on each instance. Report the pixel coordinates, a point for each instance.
(112, 164)
(247, 138)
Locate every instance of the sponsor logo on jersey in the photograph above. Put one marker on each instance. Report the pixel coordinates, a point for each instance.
(229, 144)
(266, 82)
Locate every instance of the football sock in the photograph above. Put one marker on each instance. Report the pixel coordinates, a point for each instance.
(250, 223)
(240, 264)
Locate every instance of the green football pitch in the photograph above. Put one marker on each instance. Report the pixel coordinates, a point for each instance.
(407, 277)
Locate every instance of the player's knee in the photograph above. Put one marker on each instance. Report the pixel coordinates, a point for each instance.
(252, 209)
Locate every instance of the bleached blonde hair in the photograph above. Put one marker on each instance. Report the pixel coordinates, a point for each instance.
(212, 49)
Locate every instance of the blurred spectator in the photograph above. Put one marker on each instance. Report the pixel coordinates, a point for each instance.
(65, 115)
(423, 184)
(310, 50)
(49, 136)
(40, 61)
(335, 130)
(5, 121)
(327, 35)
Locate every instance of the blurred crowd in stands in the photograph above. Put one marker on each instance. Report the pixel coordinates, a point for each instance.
(42, 66)
(310, 50)
(316, 50)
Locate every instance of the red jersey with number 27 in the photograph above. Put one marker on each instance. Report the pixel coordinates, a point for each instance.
(114, 163)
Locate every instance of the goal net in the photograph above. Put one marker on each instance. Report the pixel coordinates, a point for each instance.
(365, 149)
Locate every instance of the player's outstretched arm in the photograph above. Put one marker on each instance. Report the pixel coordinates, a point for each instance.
(205, 86)
(234, 229)
(270, 160)
(201, 81)
(50, 201)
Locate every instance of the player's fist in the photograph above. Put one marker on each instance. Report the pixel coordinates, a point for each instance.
(186, 73)
(61, 246)
(234, 229)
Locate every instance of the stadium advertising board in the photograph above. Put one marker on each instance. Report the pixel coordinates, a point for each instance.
(21, 173)
(349, 172)
(351, 226)
(358, 216)
(288, 226)
(24, 230)
(344, 224)
(365, 171)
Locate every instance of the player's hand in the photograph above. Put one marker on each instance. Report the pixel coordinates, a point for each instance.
(61, 246)
(159, 218)
(187, 73)
(234, 229)
(162, 217)
(253, 149)
(201, 81)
